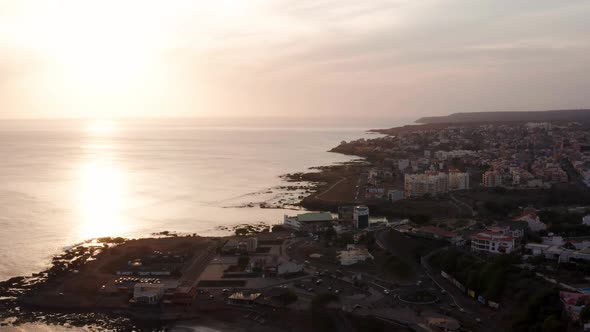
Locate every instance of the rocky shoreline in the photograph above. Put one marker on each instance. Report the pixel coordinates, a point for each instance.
(17, 308)
(18, 305)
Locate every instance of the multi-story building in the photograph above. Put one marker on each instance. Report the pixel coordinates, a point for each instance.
(416, 185)
(491, 179)
(492, 241)
(458, 181)
(360, 217)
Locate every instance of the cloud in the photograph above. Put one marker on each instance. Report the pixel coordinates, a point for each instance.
(327, 57)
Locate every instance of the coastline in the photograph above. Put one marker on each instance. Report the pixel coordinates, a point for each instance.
(19, 295)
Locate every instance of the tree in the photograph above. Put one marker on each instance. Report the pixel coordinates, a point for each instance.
(552, 324)
(288, 297)
(243, 261)
(585, 314)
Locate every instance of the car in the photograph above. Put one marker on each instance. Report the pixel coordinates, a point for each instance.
(336, 291)
(310, 290)
(225, 291)
(386, 291)
(443, 291)
(318, 282)
(419, 283)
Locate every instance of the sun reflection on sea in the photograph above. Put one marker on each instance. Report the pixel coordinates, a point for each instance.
(102, 193)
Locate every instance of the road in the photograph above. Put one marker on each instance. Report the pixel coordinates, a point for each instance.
(191, 274)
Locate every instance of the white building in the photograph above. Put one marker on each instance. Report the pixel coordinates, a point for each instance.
(308, 221)
(354, 255)
(533, 221)
(586, 220)
(458, 181)
(145, 293)
(560, 254)
(416, 185)
(493, 242)
(395, 195)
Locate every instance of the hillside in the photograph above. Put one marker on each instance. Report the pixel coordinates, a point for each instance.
(533, 116)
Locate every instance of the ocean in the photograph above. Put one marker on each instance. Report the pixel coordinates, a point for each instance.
(66, 181)
(63, 182)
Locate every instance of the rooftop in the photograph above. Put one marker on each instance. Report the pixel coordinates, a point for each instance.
(313, 217)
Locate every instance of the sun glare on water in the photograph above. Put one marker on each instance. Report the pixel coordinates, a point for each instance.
(102, 190)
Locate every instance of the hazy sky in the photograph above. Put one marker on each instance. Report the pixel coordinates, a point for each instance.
(287, 58)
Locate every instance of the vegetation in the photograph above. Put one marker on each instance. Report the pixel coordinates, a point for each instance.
(566, 224)
(321, 319)
(502, 201)
(396, 267)
(288, 297)
(585, 314)
(320, 301)
(532, 300)
(243, 261)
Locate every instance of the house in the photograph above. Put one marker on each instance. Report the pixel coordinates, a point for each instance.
(312, 221)
(146, 293)
(573, 303)
(530, 217)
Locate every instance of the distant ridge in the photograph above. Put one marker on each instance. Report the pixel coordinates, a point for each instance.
(532, 116)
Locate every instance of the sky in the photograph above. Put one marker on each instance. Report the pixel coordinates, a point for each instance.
(299, 58)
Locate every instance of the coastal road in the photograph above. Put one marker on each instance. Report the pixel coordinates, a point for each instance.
(319, 196)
